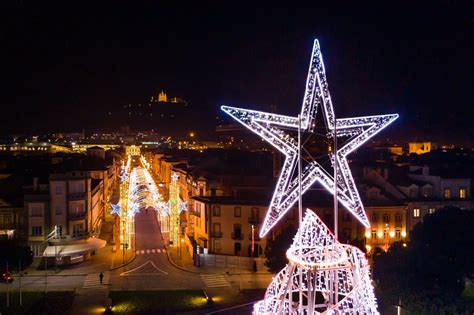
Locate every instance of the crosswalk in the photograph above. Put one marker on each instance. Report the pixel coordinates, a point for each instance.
(92, 281)
(214, 281)
(150, 251)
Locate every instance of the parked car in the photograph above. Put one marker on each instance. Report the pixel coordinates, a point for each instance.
(6, 277)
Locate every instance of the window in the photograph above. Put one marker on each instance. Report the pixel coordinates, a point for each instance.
(432, 210)
(59, 210)
(447, 193)
(58, 190)
(416, 212)
(374, 234)
(36, 212)
(237, 212)
(77, 229)
(375, 217)
(462, 193)
(216, 211)
(386, 218)
(385, 234)
(216, 230)
(201, 191)
(373, 195)
(413, 192)
(237, 231)
(254, 216)
(398, 217)
(36, 230)
(397, 234)
(213, 191)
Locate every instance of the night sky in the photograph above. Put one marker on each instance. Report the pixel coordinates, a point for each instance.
(65, 67)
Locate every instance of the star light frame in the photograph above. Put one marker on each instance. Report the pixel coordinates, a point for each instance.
(271, 127)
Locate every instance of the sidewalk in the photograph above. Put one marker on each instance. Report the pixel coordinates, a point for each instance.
(185, 263)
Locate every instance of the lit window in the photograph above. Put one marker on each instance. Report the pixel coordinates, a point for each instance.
(374, 234)
(447, 193)
(462, 193)
(431, 210)
(416, 212)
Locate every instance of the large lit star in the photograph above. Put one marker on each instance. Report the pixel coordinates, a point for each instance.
(271, 127)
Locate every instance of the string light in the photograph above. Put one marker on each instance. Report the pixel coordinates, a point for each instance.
(115, 209)
(318, 263)
(320, 269)
(271, 127)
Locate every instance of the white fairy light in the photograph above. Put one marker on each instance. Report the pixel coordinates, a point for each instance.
(271, 128)
(317, 259)
(320, 269)
(115, 209)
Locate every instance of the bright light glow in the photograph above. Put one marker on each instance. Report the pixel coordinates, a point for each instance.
(404, 233)
(115, 209)
(271, 127)
(367, 234)
(392, 234)
(379, 234)
(320, 259)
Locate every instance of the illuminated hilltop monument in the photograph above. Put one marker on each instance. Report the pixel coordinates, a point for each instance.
(322, 276)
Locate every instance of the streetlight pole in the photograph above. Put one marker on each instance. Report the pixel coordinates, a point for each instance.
(8, 288)
(19, 281)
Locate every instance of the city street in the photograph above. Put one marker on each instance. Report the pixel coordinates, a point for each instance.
(151, 269)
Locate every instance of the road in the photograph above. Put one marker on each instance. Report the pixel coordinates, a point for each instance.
(151, 269)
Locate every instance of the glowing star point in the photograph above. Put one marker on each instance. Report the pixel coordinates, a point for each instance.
(115, 209)
(273, 129)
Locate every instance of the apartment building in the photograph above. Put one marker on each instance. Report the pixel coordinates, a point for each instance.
(228, 225)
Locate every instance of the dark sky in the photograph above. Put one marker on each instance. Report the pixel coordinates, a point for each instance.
(64, 67)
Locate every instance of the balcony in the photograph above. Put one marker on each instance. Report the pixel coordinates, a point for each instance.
(237, 236)
(216, 234)
(77, 196)
(254, 220)
(77, 216)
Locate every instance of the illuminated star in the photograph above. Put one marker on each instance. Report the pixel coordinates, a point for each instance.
(115, 209)
(183, 206)
(271, 127)
(174, 177)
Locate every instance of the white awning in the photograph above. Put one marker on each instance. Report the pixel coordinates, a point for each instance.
(91, 244)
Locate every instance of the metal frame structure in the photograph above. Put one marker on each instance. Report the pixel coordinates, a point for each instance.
(272, 128)
(318, 267)
(322, 276)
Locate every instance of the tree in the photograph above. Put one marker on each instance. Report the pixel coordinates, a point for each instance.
(429, 274)
(275, 251)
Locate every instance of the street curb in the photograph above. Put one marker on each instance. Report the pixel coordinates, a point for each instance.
(126, 263)
(177, 266)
